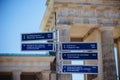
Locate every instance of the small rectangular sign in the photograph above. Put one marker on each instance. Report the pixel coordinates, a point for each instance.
(79, 46)
(37, 36)
(69, 69)
(79, 56)
(37, 47)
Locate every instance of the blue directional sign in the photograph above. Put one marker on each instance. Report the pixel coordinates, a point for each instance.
(37, 36)
(80, 56)
(38, 47)
(79, 46)
(80, 69)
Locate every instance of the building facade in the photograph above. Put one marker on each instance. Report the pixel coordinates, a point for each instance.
(89, 21)
(25, 67)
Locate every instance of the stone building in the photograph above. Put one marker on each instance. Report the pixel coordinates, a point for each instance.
(88, 21)
(25, 67)
(77, 21)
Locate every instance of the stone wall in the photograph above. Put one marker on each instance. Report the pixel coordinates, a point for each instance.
(88, 16)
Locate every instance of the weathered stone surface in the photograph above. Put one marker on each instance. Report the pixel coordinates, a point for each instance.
(16, 74)
(88, 1)
(39, 75)
(109, 67)
(64, 36)
(88, 16)
(45, 75)
(52, 76)
(24, 66)
(88, 13)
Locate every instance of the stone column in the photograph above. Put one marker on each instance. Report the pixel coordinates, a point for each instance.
(100, 55)
(95, 78)
(64, 36)
(39, 75)
(45, 75)
(52, 76)
(16, 74)
(108, 58)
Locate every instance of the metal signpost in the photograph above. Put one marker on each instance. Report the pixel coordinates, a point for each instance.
(37, 47)
(79, 46)
(85, 69)
(80, 56)
(65, 50)
(37, 36)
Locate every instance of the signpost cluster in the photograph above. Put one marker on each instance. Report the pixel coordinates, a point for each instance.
(79, 51)
(37, 46)
(69, 51)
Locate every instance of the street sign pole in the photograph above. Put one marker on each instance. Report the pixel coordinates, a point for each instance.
(57, 50)
(57, 55)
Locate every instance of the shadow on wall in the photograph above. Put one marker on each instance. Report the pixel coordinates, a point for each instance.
(24, 76)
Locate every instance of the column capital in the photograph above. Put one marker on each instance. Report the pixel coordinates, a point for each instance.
(63, 27)
(16, 70)
(105, 28)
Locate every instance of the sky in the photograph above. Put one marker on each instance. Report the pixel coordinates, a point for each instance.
(17, 17)
(21, 16)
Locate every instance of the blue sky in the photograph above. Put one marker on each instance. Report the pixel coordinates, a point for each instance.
(17, 17)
